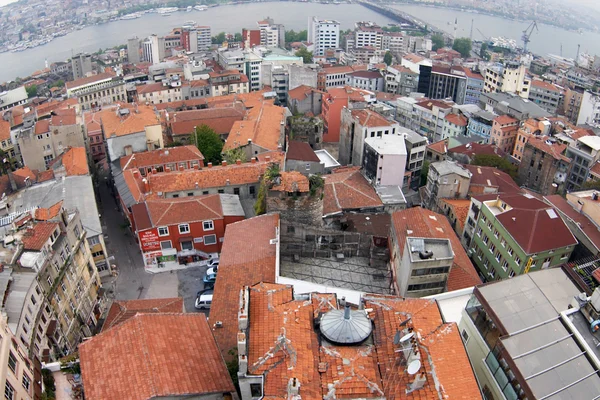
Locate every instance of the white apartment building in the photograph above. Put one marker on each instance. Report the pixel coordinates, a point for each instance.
(271, 34)
(154, 49)
(589, 112)
(509, 78)
(324, 34)
(368, 34)
(204, 38)
(394, 42)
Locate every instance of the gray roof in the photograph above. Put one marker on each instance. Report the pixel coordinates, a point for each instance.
(507, 101)
(230, 203)
(77, 193)
(543, 347)
(410, 135)
(388, 144)
(450, 167)
(21, 282)
(390, 194)
(121, 185)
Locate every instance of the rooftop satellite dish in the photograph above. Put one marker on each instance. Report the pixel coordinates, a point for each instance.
(397, 338)
(413, 367)
(406, 337)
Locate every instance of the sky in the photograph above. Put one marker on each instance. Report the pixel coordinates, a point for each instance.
(5, 2)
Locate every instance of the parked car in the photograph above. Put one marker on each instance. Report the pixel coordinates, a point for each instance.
(203, 299)
(212, 270)
(209, 281)
(213, 262)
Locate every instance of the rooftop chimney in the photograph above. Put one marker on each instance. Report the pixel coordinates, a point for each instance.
(196, 166)
(224, 163)
(167, 169)
(253, 160)
(238, 162)
(154, 170)
(267, 158)
(181, 168)
(209, 165)
(146, 185)
(293, 387)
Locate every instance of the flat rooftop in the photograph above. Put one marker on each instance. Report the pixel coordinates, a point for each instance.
(441, 249)
(390, 194)
(327, 159)
(355, 273)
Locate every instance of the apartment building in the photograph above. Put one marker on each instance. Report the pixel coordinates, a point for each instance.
(427, 118)
(395, 42)
(589, 110)
(474, 84)
(504, 133)
(446, 179)
(133, 50)
(228, 82)
(334, 101)
(271, 34)
(510, 77)
(516, 234)
(56, 302)
(366, 80)
(400, 80)
(415, 155)
(544, 168)
(584, 153)
(438, 82)
(166, 91)
(81, 65)
(572, 103)
(480, 126)
(384, 161)
(97, 91)
(530, 337)
(48, 138)
(323, 34)
(358, 125)
(546, 95)
(531, 127)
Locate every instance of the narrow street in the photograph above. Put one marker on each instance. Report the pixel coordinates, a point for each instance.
(132, 281)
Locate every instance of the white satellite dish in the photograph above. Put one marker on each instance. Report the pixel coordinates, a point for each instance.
(406, 337)
(413, 367)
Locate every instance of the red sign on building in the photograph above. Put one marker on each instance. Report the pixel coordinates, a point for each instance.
(149, 240)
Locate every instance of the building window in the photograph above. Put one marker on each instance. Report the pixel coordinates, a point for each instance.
(492, 248)
(255, 389)
(511, 273)
(478, 231)
(165, 244)
(492, 273)
(93, 241)
(163, 231)
(486, 239)
(510, 251)
(505, 265)
(184, 228)
(187, 245)
(518, 260)
(210, 239)
(12, 362)
(9, 391)
(208, 226)
(465, 336)
(50, 281)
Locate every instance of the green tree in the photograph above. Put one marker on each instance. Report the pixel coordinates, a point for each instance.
(483, 51)
(437, 41)
(31, 91)
(293, 36)
(492, 160)
(60, 83)
(237, 37)
(175, 143)
(463, 46)
(424, 173)
(306, 55)
(591, 185)
(232, 155)
(209, 143)
(387, 59)
(219, 39)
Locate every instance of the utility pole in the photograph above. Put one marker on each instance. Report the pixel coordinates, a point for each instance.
(471, 34)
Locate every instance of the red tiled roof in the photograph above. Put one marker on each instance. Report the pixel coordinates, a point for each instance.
(221, 119)
(301, 92)
(555, 150)
(35, 237)
(531, 225)
(4, 130)
(460, 209)
(22, 174)
(490, 177)
(441, 349)
(429, 104)
(472, 149)
(456, 119)
(247, 258)
(151, 88)
(370, 119)
(505, 120)
(544, 85)
(595, 170)
(440, 147)
(587, 226)
(46, 214)
(164, 212)
(161, 156)
(346, 190)
(366, 74)
(92, 122)
(153, 356)
(42, 126)
(425, 223)
(262, 125)
(292, 181)
(301, 151)
(121, 310)
(136, 121)
(74, 160)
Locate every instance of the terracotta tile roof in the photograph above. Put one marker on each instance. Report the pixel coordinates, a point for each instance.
(22, 173)
(429, 104)
(595, 170)
(460, 209)
(472, 149)
(382, 96)
(301, 92)
(587, 226)
(441, 348)
(151, 88)
(346, 189)
(46, 214)
(505, 120)
(456, 119)
(440, 147)
(35, 237)
(300, 151)
(348, 92)
(401, 68)
(5, 185)
(88, 80)
(121, 310)
(75, 161)
(532, 226)
(92, 121)
(292, 181)
(208, 177)
(425, 223)
(154, 355)
(262, 125)
(247, 258)
(4, 130)
(164, 212)
(221, 119)
(555, 150)
(544, 85)
(370, 119)
(116, 125)
(490, 177)
(161, 156)
(413, 58)
(581, 133)
(367, 74)
(42, 126)
(44, 176)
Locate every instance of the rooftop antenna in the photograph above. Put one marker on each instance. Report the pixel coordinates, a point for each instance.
(577, 56)
(471, 34)
(455, 27)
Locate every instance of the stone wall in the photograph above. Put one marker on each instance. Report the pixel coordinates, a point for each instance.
(306, 129)
(297, 210)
